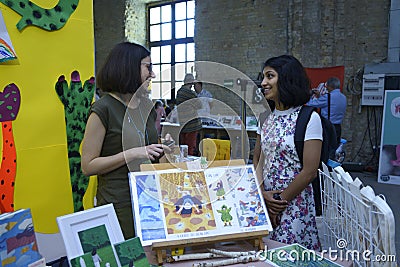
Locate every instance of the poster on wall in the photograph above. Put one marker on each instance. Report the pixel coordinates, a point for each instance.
(7, 51)
(180, 204)
(389, 161)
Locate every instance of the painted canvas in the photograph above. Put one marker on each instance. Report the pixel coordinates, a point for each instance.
(147, 207)
(131, 253)
(96, 242)
(18, 245)
(7, 51)
(180, 204)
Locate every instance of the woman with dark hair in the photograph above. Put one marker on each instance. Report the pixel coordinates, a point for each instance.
(288, 190)
(120, 132)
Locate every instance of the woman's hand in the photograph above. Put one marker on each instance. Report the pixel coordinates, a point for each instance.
(275, 206)
(152, 152)
(275, 219)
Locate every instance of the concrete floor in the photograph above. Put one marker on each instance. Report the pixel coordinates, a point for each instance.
(392, 195)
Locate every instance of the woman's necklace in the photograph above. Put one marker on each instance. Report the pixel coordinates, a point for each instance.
(142, 136)
(145, 136)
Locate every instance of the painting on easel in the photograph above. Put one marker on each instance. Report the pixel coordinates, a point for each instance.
(180, 204)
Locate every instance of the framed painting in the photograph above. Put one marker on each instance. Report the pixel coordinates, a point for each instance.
(180, 204)
(131, 253)
(93, 231)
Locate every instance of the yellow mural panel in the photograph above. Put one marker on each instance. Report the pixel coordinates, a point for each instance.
(42, 181)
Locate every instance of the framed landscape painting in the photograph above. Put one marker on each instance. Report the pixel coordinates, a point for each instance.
(92, 231)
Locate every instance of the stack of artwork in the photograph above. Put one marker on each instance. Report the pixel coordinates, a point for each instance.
(94, 238)
(18, 245)
(180, 204)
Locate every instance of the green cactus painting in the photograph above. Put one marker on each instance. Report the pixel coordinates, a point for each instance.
(76, 100)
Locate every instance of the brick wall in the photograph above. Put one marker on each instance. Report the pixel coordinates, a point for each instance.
(109, 26)
(244, 33)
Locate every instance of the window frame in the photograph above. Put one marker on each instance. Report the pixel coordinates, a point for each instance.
(172, 43)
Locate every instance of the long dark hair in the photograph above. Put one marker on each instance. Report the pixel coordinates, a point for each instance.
(121, 70)
(293, 82)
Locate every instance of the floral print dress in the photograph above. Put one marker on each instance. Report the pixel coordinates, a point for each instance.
(281, 166)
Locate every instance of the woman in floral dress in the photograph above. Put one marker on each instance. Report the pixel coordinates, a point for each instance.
(288, 189)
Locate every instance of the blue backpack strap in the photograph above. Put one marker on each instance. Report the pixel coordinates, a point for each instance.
(300, 131)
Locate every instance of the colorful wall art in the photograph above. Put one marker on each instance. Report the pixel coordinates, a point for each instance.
(6, 48)
(179, 204)
(46, 50)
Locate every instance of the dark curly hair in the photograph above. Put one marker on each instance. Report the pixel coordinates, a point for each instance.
(293, 82)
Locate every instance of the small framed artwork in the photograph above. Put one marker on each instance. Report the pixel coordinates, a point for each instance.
(93, 231)
(131, 253)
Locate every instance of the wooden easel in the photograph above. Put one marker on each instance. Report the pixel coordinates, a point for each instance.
(161, 246)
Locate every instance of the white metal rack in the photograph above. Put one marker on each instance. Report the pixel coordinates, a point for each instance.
(352, 225)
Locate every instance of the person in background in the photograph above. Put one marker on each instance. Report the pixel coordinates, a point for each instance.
(159, 106)
(120, 131)
(188, 104)
(170, 106)
(205, 97)
(337, 107)
(288, 192)
(319, 91)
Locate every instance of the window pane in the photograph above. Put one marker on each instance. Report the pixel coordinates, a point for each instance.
(166, 13)
(180, 11)
(190, 67)
(190, 51)
(177, 86)
(190, 9)
(166, 54)
(166, 31)
(166, 72)
(154, 15)
(190, 28)
(166, 90)
(156, 70)
(160, 29)
(155, 33)
(155, 90)
(180, 53)
(180, 29)
(180, 72)
(155, 54)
